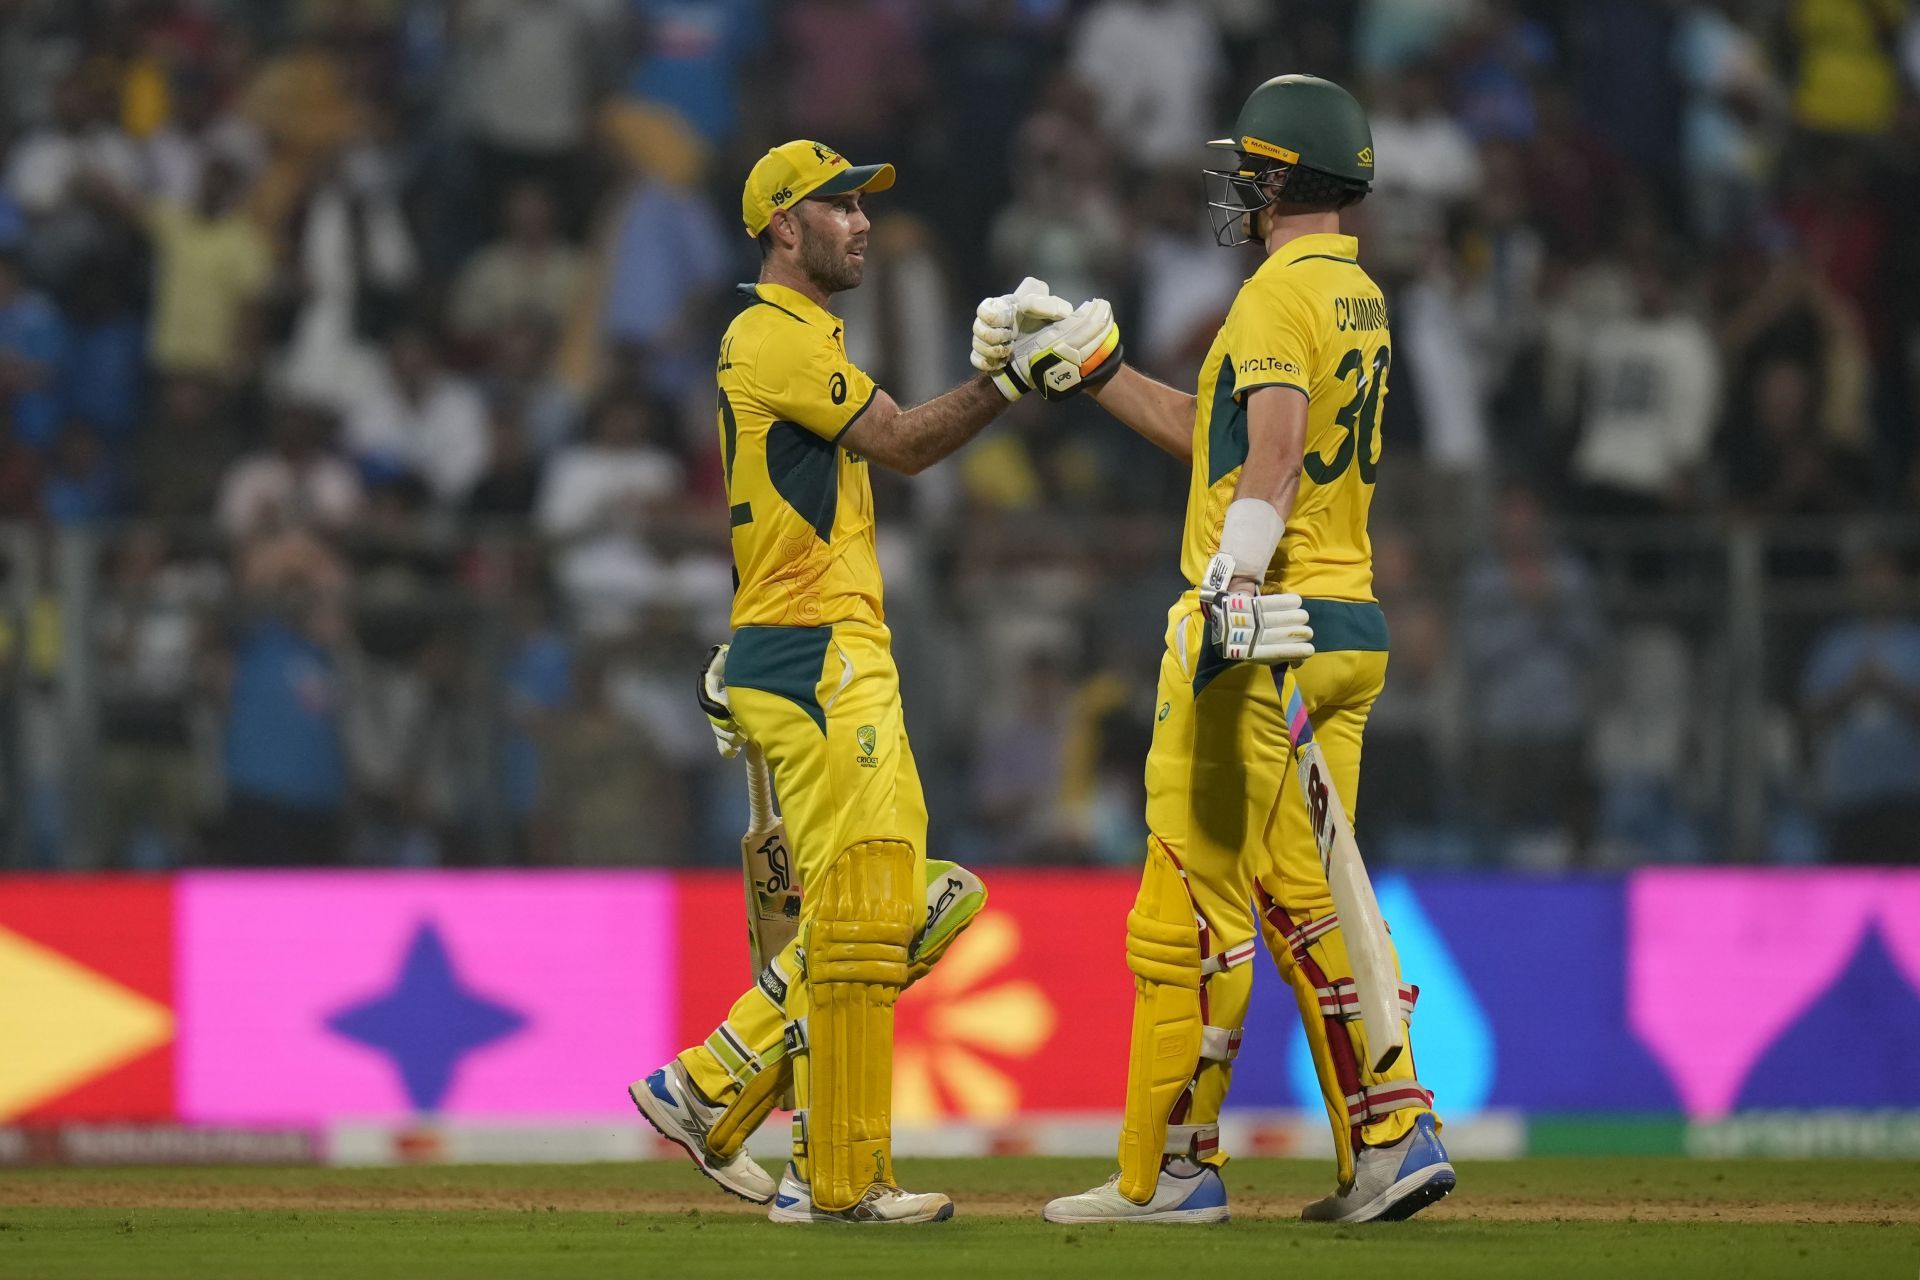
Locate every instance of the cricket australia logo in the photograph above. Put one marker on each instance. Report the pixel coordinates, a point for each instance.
(868, 740)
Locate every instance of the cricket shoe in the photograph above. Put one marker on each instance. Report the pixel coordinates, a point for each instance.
(670, 1103)
(882, 1203)
(1391, 1183)
(1186, 1192)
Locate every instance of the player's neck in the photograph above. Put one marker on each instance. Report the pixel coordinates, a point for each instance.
(775, 271)
(1283, 228)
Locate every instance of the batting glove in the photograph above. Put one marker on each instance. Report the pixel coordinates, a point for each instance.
(999, 322)
(1245, 626)
(711, 689)
(1065, 357)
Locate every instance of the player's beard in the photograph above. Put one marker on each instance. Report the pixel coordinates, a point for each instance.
(828, 266)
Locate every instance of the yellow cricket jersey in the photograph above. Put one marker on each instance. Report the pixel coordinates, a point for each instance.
(1310, 319)
(803, 551)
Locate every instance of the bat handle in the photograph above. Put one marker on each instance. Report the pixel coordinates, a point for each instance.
(1299, 726)
(759, 788)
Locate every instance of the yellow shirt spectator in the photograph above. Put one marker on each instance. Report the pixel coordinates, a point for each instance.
(208, 271)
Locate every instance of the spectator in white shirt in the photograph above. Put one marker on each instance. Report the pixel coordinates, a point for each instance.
(530, 271)
(1652, 386)
(1185, 281)
(81, 150)
(1154, 65)
(599, 500)
(1066, 223)
(196, 132)
(1426, 164)
(297, 482)
(415, 416)
(81, 138)
(527, 87)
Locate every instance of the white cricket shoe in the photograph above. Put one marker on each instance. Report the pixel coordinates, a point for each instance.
(669, 1102)
(1186, 1192)
(1392, 1183)
(882, 1203)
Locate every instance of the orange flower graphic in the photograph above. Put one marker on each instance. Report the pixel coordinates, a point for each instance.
(959, 1029)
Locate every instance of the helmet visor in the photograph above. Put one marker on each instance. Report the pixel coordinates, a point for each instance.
(1234, 195)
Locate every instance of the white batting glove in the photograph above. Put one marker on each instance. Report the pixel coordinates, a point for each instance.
(1245, 626)
(1065, 357)
(711, 689)
(999, 322)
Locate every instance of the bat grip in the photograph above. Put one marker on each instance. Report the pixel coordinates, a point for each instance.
(1299, 727)
(759, 788)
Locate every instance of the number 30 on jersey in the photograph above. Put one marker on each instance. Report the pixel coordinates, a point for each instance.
(1359, 417)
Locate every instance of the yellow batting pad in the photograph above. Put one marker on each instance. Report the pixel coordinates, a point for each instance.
(863, 913)
(954, 897)
(748, 1045)
(1312, 956)
(1163, 951)
(754, 1034)
(748, 1110)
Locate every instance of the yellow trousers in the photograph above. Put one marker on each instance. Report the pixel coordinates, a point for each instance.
(1227, 819)
(824, 704)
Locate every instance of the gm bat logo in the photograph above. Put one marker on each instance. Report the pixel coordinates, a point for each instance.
(779, 868)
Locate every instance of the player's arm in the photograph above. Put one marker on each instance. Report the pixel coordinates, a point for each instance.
(1276, 450)
(812, 384)
(1154, 410)
(1275, 330)
(911, 440)
(1242, 623)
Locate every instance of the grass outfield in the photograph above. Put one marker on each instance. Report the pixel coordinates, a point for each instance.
(1559, 1218)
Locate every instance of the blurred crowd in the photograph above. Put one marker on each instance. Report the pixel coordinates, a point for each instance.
(361, 470)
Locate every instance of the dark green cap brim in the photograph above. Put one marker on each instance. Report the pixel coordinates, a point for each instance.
(859, 177)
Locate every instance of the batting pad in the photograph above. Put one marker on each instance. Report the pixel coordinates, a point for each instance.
(1163, 951)
(1363, 1106)
(864, 913)
(954, 897)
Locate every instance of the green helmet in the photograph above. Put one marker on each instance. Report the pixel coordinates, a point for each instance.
(1297, 138)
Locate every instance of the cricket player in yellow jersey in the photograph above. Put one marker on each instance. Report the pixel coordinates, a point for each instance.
(809, 677)
(1284, 440)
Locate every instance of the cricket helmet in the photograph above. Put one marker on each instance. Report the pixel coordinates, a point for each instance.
(1298, 138)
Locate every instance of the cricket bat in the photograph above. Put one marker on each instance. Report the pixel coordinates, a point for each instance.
(766, 864)
(1376, 978)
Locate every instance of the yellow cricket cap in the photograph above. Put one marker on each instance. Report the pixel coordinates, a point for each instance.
(795, 170)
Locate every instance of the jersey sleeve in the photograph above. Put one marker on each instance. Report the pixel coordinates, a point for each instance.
(1270, 337)
(805, 379)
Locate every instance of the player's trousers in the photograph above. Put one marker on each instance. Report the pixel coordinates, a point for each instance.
(824, 704)
(1231, 849)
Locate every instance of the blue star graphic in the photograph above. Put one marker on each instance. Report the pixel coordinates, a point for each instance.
(428, 1022)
